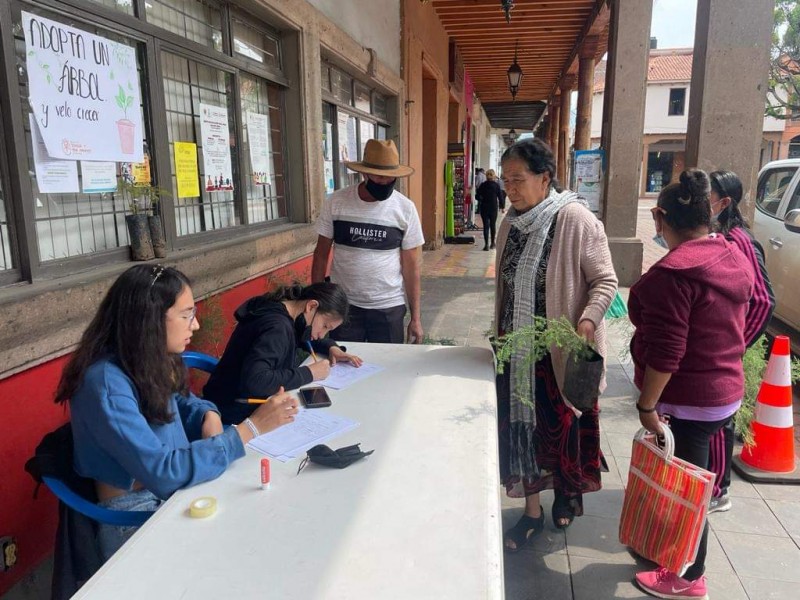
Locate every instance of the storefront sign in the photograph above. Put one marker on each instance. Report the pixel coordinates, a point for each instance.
(589, 176)
(98, 177)
(84, 91)
(216, 148)
(53, 176)
(258, 138)
(186, 174)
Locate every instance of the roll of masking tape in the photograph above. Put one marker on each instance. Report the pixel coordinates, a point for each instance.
(203, 507)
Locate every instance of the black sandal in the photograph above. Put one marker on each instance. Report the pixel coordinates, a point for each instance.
(563, 508)
(525, 529)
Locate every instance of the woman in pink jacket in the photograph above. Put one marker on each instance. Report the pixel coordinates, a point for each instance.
(689, 312)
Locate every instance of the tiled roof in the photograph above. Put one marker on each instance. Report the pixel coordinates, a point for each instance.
(671, 64)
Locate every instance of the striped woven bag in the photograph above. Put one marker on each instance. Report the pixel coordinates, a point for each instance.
(665, 503)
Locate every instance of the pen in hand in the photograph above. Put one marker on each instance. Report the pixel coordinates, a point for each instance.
(311, 350)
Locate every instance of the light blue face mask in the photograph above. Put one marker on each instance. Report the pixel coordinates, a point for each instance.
(659, 239)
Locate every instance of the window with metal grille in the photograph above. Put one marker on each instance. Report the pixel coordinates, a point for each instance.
(187, 85)
(124, 6)
(265, 201)
(75, 224)
(195, 20)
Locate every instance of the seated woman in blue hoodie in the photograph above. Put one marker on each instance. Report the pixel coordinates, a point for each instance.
(260, 358)
(137, 430)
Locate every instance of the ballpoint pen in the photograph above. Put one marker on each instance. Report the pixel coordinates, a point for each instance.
(311, 349)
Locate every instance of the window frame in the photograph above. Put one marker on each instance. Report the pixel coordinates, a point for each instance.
(670, 102)
(152, 40)
(783, 199)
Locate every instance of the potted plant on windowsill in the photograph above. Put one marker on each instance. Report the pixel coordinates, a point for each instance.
(145, 230)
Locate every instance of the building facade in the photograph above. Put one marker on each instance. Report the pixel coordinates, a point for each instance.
(666, 119)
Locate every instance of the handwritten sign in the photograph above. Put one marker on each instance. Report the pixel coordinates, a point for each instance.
(84, 92)
(186, 170)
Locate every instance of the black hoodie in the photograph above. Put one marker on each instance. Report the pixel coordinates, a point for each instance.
(260, 358)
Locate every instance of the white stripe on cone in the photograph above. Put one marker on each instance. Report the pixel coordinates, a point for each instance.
(774, 416)
(779, 370)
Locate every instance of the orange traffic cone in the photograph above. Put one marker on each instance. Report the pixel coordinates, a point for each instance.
(772, 426)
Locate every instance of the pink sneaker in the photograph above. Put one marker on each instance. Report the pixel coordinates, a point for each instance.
(661, 583)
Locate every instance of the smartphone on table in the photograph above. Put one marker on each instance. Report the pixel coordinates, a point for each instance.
(315, 397)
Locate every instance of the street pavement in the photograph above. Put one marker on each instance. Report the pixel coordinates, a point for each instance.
(754, 549)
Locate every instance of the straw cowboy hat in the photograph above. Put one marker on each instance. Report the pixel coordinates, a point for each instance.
(381, 158)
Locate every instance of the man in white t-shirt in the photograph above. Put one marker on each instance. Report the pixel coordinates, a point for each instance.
(378, 240)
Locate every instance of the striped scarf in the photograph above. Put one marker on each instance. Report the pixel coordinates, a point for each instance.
(535, 223)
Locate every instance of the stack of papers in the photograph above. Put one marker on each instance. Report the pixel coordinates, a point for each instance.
(309, 428)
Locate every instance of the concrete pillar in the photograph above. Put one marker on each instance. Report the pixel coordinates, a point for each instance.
(555, 123)
(583, 121)
(623, 123)
(566, 85)
(724, 132)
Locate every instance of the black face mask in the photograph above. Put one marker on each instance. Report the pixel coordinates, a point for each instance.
(380, 191)
(302, 329)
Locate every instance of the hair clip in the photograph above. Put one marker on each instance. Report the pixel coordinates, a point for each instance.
(157, 271)
(685, 201)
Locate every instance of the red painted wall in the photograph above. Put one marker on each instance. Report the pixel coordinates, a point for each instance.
(27, 413)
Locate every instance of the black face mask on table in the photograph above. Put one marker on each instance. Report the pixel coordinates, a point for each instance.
(380, 191)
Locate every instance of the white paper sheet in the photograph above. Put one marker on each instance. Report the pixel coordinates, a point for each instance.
(310, 427)
(344, 374)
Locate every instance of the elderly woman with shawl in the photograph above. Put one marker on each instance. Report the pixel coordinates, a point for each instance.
(553, 261)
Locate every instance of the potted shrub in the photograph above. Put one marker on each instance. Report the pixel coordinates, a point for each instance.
(584, 364)
(145, 230)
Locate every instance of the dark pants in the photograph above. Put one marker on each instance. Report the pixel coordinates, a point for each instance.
(721, 456)
(489, 226)
(376, 325)
(691, 444)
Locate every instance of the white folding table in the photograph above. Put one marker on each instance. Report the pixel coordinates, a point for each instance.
(418, 519)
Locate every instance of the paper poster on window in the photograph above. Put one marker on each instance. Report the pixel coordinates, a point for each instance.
(216, 148)
(141, 172)
(589, 177)
(53, 176)
(186, 174)
(84, 91)
(98, 177)
(258, 137)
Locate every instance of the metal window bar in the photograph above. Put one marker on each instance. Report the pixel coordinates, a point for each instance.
(255, 43)
(124, 6)
(264, 202)
(6, 261)
(195, 20)
(188, 83)
(74, 224)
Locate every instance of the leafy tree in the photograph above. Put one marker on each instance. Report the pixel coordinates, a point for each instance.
(783, 95)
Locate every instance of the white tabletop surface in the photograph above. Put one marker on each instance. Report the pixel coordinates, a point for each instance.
(418, 519)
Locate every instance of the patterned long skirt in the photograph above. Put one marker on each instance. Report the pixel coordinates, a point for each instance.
(567, 447)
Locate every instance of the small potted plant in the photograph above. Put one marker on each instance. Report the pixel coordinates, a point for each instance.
(585, 365)
(145, 230)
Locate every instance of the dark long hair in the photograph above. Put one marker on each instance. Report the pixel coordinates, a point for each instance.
(537, 155)
(686, 203)
(330, 296)
(727, 183)
(130, 326)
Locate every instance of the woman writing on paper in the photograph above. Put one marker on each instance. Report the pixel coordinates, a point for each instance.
(138, 432)
(689, 312)
(553, 261)
(261, 356)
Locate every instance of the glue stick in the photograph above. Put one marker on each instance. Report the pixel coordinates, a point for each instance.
(265, 473)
